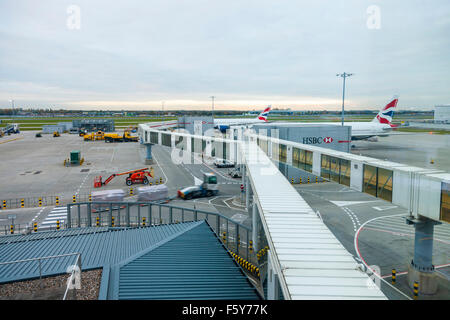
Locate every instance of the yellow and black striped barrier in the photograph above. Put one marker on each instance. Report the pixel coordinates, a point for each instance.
(394, 276)
(40, 202)
(245, 264)
(300, 180)
(35, 227)
(317, 180)
(4, 204)
(156, 182)
(150, 184)
(308, 179)
(22, 203)
(112, 221)
(292, 180)
(74, 199)
(416, 290)
(90, 197)
(160, 180)
(239, 240)
(262, 252)
(250, 246)
(12, 229)
(57, 201)
(97, 221)
(143, 221)
(224, 237)
(57, 225)
(131, 191)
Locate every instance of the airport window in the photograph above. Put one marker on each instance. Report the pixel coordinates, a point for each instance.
(445, 202)
(384, 184)
(308, 160)
(344, 172)
(334, 169)
(166, 140)
(263, 145)
(296, 157)
(370, 180)
(224, 144)
(154, 137)
(325, 167)
(283, 153)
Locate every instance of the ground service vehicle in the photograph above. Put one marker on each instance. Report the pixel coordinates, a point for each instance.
(115, 137)
(235, 173)
(134, 176)
(206, 189)
(221, 163)
(100, 135)
(56, 134)
(11, 128)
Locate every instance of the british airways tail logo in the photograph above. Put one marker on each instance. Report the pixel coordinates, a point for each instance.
(263, 115)
(385, 115)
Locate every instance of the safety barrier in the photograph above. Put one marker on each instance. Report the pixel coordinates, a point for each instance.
(308, 180)
(235, 236)
(28, 202)
(251, 268)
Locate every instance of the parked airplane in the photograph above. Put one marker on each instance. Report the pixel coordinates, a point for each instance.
(224, 124)
(379, 126)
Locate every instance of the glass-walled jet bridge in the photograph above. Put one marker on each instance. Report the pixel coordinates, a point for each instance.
(305, 260)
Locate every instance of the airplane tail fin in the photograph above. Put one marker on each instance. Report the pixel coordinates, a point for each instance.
(387, 113)
(263, 115)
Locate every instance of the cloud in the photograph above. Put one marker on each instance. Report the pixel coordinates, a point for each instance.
(246, 53)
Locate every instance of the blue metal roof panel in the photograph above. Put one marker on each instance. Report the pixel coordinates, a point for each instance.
(193, 265)
(97, 249)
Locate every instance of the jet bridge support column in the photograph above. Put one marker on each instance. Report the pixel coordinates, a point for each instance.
(149, 157)
(421, 268)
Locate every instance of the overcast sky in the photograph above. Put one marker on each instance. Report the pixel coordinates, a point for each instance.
(135, 54)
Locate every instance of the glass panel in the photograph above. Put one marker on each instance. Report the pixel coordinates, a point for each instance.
(370, 180)
(264, 145)
(334, 169)
(283, 153)
(445, 202)
(384, 190)
(166, 139)
(296, 157)
(325, 167)
(224, 145)
(308, 161)
(154, 137)
(345, 172)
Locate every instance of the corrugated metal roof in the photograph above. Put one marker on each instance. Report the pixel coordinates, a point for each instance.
(50, 234)
(97, 249)
(311, 262)
(191, 265)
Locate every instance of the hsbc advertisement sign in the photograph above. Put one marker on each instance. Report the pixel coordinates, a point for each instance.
(317, 140)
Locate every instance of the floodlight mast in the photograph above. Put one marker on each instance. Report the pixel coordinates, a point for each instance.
(343, 75)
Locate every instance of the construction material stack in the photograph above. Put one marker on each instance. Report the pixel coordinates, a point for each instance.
(153, 193)
(115, 195)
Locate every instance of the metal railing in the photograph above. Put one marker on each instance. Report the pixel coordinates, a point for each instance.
(40, 261)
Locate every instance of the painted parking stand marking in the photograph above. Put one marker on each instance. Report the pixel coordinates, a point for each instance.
(36, 216)
(383, 208)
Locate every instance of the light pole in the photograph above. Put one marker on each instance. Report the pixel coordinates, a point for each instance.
(12, 105)
(212, 97)
(343, 75)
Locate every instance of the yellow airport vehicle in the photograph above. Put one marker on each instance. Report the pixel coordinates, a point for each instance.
(99, 135)
(115, 137)
(56, 134)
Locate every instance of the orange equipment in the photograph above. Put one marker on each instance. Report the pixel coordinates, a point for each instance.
(134, 176)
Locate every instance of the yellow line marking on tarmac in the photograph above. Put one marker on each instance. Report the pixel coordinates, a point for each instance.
(10, 140)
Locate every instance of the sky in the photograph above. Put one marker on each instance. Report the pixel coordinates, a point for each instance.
(248, 54)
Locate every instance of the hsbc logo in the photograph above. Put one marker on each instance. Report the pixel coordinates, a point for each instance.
(317, 140)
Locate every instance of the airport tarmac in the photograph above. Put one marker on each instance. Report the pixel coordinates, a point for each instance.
(375, 230)
(414, 149)
(33, 167)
